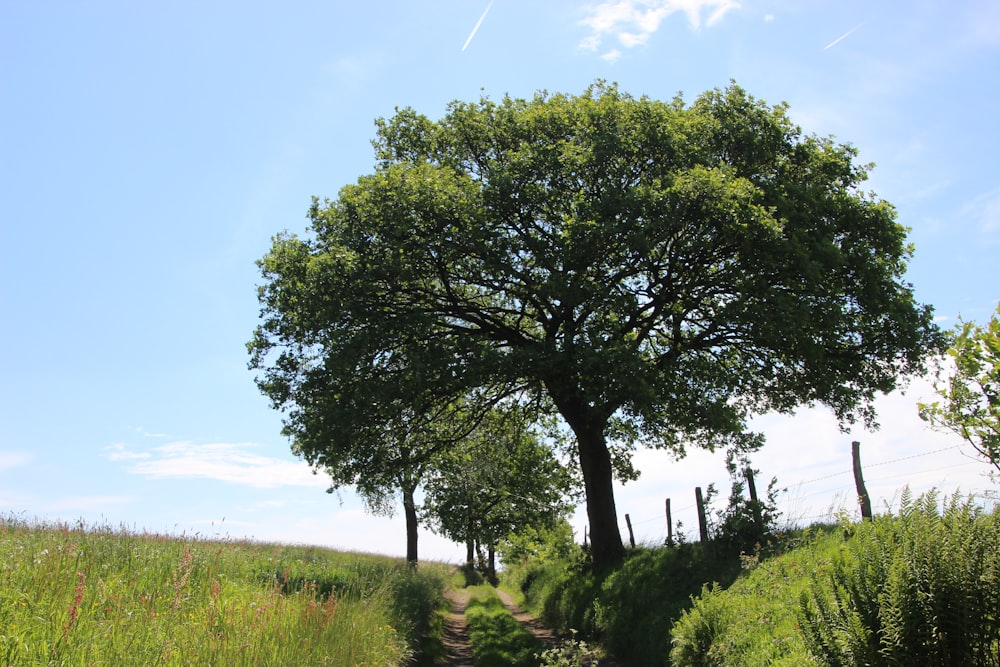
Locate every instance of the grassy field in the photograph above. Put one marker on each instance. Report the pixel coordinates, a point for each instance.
(74, 596)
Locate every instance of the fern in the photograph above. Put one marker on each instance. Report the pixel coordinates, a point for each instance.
(918, 588)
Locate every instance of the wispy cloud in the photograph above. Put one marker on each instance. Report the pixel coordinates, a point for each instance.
(235, 463)
(13, 459)
(633, 22)
(842, 37)
(475, 28)
(984, 211)
(119, 452)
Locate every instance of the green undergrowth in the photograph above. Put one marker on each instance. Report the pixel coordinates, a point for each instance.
(918, 587)
(629, 610)
(754, 622)
(498, 639)
(78, 596)
(921, 587)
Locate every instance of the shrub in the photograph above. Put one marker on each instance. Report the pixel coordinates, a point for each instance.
(630, 609)
(570, 653)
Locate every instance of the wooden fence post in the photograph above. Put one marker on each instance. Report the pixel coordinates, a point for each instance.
(631, 537)
(859, 482)
(702, 524)
(755, 506)
(670, 526)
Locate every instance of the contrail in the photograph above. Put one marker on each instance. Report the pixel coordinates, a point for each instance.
(476, 27)
(834, 42)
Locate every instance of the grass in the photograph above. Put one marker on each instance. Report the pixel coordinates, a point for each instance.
(921, 587)
(76, 596)
(498, 640)
(754, 621)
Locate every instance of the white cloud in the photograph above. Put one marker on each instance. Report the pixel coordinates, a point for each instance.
(235, 463)
(357, 530)
(13, 459)
(118, 452)
(633, 22)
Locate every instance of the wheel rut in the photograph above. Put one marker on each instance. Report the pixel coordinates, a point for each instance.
(455, 638)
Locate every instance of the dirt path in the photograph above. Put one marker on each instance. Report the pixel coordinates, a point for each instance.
(456, 631)
(458, 649)
(527, 620)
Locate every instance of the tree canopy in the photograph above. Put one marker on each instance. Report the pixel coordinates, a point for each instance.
(653, 272)
(971, 391)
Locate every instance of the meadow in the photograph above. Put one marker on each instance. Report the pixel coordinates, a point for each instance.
(74, 595)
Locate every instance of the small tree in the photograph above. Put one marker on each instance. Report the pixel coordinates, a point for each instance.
(971, 392)
(746, 524)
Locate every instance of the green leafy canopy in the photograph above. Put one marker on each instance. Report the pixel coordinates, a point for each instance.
(654, 272)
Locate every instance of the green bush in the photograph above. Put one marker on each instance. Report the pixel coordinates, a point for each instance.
(922, 588)
(639, 602)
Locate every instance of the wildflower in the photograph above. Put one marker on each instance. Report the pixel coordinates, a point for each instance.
(74, 607)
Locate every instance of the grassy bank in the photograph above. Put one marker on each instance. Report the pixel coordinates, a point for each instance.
(629, 610)
(918, 587)
(74, 596)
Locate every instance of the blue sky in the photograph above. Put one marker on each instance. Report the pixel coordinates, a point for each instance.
(149, 151)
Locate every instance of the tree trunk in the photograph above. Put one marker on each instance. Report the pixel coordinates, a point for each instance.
(492, 566)
(470, 552)
(410, 512)
(595, 463)
(588, 425)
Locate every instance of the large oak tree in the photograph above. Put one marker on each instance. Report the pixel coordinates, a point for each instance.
(658, 271)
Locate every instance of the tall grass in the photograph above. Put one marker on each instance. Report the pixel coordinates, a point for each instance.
(918, 588)
(754, 621)
(76, 596)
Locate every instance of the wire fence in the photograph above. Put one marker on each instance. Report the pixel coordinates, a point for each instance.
(650, 527)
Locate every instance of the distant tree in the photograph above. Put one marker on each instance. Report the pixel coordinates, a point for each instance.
(971, 389)
(501, 479)
(655, 273)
